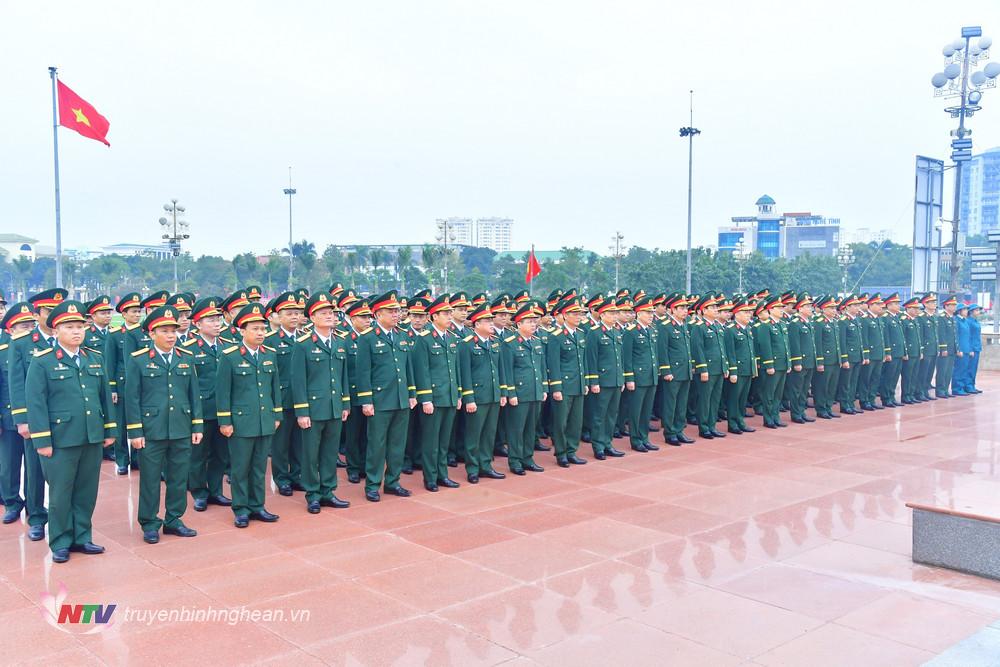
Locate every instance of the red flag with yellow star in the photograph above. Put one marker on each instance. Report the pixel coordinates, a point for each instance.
(78, 114)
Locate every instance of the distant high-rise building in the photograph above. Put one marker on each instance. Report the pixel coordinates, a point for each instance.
(492, 233)
(980, 198)
(774, 234)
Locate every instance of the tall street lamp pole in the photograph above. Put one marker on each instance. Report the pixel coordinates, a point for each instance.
(174, 231)
(291, 256)
(690, 131)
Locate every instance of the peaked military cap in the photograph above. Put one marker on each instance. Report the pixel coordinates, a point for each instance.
(50, 298)
(66, 311)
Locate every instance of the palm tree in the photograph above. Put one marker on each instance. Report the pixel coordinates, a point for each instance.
(23, 267)
(404, 259)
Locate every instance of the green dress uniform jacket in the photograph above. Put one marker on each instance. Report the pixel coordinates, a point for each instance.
(95, 338)
(604, 368)
(742, 358)
(436, 377)
(286, 445)
(484, 382)
(828, 355)
(528, 383)
(675, 358)
(356, 426)
(566, 359)
(210, 459)
(640, 364)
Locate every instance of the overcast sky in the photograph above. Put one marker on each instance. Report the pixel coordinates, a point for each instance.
(560, 115)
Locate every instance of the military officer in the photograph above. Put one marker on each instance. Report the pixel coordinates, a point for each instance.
(927, 321)
(210, 459)
(802, 355)
(182, 304)
(231, 307)
(895, 350)
(913, 352)
(852, 354)
(710, 364)
(356, 438)
(878, 353)
(439, 393)
(22, 349)
(163, 417)
(137, 337)
(640, 371)
(68, 412)
(248, 405)
(387, 393)
(460, 305)
(321, 401)
(413, 456)
(947, 347)
(129, 307)
(524, 356)
(17, 320)
(742, 359)
(766, 343)
(566, 364)
(675, 368)
(827, 336)
(286, 446)
(254, 293)
(605, 378)
(484, 382)
(99, 310)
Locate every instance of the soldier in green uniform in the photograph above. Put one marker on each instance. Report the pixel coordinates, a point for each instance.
(640, 370)
(675, 368)
(22, 349)
(524, 357)
(129, 307)
(17, 320)
(438, 391)
(484, 392)
(802, 356)
(210, 459)
(387, 393)
(591, 321)
(766, 340)
(827, 357)
(460, 327)
(913, 352)
(927, 321)
(605, 377)
(895, 350)
(248, 405)
(781, 355)
(356, 438)
(99, 312)
(182, 304)
(871, 374)
(413, 456)
(286, 445)
(163, 417)
(68, 411)
(742, 359)
(947, 347)
(254, 293)
(231, 307)
(566, 361)
(710, 364)
(502, 312)
(852, 354)
(321, 401)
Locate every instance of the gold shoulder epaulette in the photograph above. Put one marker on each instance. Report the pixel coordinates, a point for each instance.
(189, 342)
(630, 327)
(510, 338)
(362, 333)
(265, 347)
(555, 331)
(41, 353)
(303, 339)
(112, 330)
(20, 335)
(4, 346)
(230, 350)
(340, 334)
(423, 332)
(468, 338)
(270, 333)
(89, 349)
(183, 351)
(142, 351)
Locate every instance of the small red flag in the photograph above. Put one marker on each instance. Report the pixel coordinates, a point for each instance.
(534, 268)
(79, 115)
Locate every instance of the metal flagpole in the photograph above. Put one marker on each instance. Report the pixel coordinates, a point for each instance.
(55, 154)
(531, 257)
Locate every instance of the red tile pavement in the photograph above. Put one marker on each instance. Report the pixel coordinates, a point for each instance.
(776, 548)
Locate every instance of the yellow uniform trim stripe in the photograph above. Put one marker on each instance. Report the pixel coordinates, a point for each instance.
(223, 414)
(300, 405)
(197, 421)
(43, 434)
(364, 393)
(424, 391)
(111, 425)
(130, 426)
(19, 411)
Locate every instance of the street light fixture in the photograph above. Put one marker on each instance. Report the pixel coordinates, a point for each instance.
(689, 132)
(740, 255)
(845, 257)
(618, 252)
(291, 256)
(446, 235)
(957, 81)
(174, 231)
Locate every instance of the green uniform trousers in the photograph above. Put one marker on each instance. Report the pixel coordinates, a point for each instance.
(926, 375)
(413, 452)
(356, 441)
(11, 456)
(172, 460)
(872, 374)
(673, 406)
(320, 449)
(605, 415)
(736, 400)
(247, 469)
(767, 390)
(847, 385)
(480, 435)
(386, 445)
(124, 452)
(709, 396)
(521, 431)
(945, 369)
(798, 383)
(286, 451)
(567, 424)
(911, 378)
(73, 474)
(35, 476)
(435, 439)
(209, 461)
(640, 408)
(890, 379)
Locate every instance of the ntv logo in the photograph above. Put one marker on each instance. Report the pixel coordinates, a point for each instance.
(84, 619)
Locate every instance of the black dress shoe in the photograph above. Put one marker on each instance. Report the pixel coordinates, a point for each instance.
(706, 434)
(452, 462)
(562, 462)
(433, 488)
(122, 470)
(341, 463)
(673, 441)
(797, 420)
(493, 474)
(539, 447)
(617, 435)
(534, 467)
(500, 451)
(60, 555)
(353, 477)
(407, 470)
(89, 548)
(220, 500)
(313, 507)
(36, 533)
(779, 424)
(285, 489)
(473, 479)
(737, 431)
(150, 536)
(639, 448)
(576, 460)
(876, 406)
(372, 496)
(718, 434)
(519, 472)
(586, 438)
(651, 447)
(824, 415)
(600, 456)
(833, 415)
(200, 504)
(770, 426)
(684, 440)
(615, 453)
(298, 486)
(397, 491)
(653, 429)
(448, 483)
(264, 516)
(808, 419)
(11, 515)
(335, 502)
(241, 521)
(180, 531)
